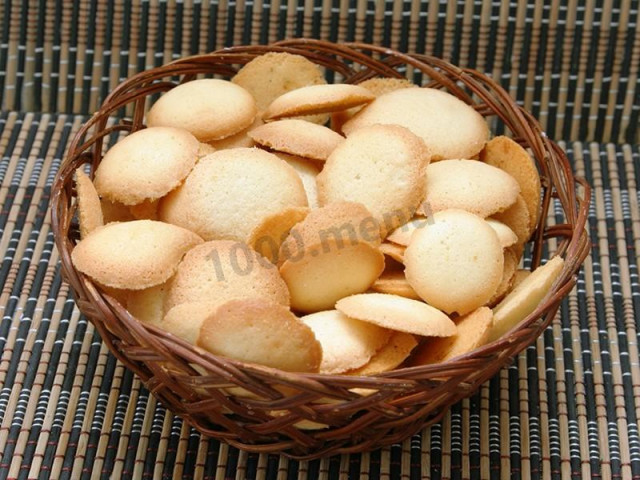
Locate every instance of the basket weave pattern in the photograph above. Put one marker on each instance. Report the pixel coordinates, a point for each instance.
(258, 408)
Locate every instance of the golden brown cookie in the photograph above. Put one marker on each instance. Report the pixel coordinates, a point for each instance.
(115, 211)
(347, 343)
(147, 210)
(133, 255)
(469, 185)
(524, 299)
(516, 217)
(238, 140)
(448, 126)
(222, 270)
(185, 320)
(397, 313)
(211, 109)
(146, 165)
(273, 74)
(473, 332)
(148, 305)
(395, 283)
(504, 153)
(402, 235)
(317, 99)
(456, 262)
(509, 270)
(230, 192)
(297, 137)
(378, 86)
(258, 331)
(382, 167)
(322, 273)
(505, 234)
(396, 351)
(267, 237)
(392, 250)
(307, 171)
(89, 209)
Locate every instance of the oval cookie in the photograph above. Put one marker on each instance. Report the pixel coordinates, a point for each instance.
(469, 185)
(397, 313)
(317, 99)
(297, 137)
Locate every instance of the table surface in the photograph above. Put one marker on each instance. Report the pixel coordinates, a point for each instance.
(567, 407)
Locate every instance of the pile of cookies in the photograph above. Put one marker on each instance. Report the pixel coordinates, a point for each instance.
(314, 227)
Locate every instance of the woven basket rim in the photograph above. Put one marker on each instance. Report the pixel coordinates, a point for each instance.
(106, 313)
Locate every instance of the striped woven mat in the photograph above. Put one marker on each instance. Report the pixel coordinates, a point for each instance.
(568, 407)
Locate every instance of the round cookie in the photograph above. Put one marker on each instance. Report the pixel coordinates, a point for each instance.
(230, 192)
(347, 343)
(323, 273)
(258, 331)
(307, 171)
(133, 255)
(222, 270)
(469, 185)
(148, 305)
(507, 155)
(317, 99)
(382, 167)
(238, 140)
(516, 217)
(378, 86)
(473, 332)
(147, 210)
(297, 137)
(345, 223)
(146, 165)
(273, 74)
(524, 299)
(509, 270)
(394, 283)
(396, 351)
(402, 235)
(185, 320)
(393, 250)
(506, 236)
(115, 211)
(89, 209)
(449, 127)
(267, 237)
(456, 262)
(397, 313)
(211, 109)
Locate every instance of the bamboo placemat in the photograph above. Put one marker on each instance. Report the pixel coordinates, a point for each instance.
(573, 63)
(568, 407)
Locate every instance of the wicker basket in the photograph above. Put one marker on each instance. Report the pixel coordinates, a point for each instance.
(261, 409)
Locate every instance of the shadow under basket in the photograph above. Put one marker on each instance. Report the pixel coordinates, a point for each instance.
(307, 416)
